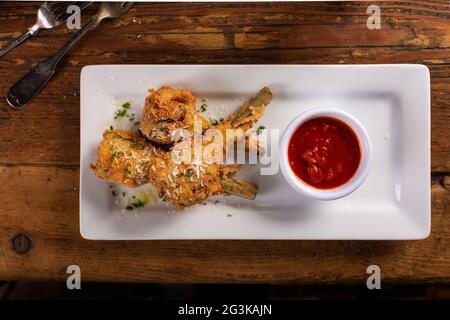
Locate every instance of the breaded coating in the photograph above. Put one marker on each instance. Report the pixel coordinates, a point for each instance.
(132, 159)
(125, 157)
(166, 110)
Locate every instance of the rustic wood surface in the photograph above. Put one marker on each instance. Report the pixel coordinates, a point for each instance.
(39, 145)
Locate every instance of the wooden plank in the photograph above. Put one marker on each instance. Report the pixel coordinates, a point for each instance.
(264, 25)
(47, 131)
(39, 145)
(42, 203)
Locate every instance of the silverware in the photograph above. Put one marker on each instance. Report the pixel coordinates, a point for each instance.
(49, 15)
(24, 90)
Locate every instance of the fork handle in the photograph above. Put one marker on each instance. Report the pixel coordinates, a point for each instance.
(25, 89)
(15, 43)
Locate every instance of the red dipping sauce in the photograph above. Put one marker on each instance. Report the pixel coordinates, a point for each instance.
(324, 152)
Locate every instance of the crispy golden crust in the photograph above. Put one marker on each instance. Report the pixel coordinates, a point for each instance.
(129, 158)
(166, 110)
(125, 157)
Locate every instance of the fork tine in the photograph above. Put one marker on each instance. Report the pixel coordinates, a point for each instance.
(59, 9)
(126, 5)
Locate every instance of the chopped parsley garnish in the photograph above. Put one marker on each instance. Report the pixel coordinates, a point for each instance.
(144, 162)
(127, 170)
(117, 154)
(203, 107)
(114, 193)
(260, 129)
(135, 205)
(179, 175)
(214, 122)
(221, 120)
(138, 204)
(137, 146)
(111, 128)
(164, 120)
(136, 123)
(123, 111)
(131, 116)
(124, 194)
(120, 113)
(189, 172)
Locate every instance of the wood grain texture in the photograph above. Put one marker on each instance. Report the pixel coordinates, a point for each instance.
(39, 145)
(42, 203)
(412, 32)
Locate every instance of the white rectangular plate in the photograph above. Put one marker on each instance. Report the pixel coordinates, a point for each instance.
(391, 101)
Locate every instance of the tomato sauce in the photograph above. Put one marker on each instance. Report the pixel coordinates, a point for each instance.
(324, 152)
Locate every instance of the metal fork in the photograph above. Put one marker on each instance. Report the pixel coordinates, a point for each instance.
(49, 15)
(24, 90)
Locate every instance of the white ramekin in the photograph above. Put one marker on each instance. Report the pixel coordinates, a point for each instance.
(326, 194)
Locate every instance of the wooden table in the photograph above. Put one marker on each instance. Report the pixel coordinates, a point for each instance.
(39, 145)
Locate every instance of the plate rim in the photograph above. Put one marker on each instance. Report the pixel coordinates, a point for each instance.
(425, 229)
